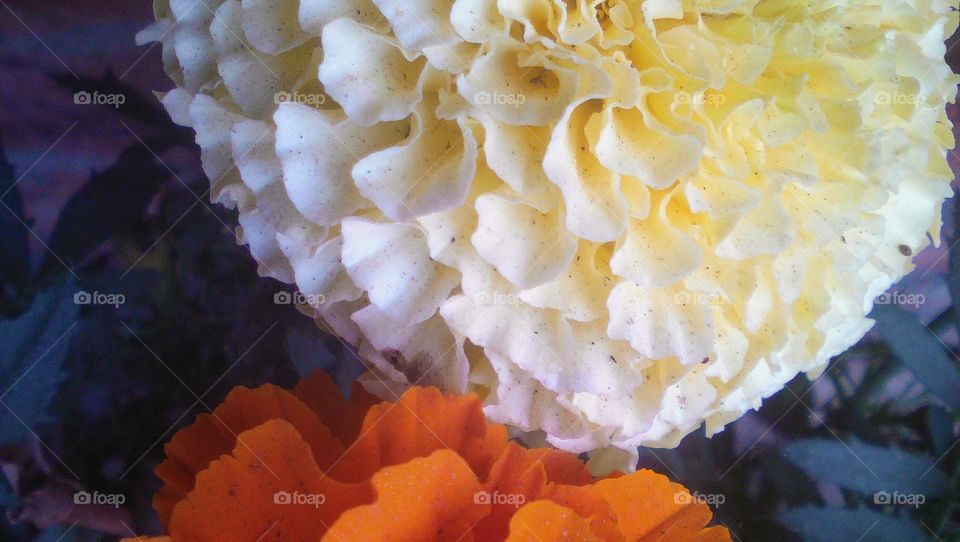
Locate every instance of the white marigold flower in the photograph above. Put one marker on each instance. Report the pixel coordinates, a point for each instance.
(613, 220)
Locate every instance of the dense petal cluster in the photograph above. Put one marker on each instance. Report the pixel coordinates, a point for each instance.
(309, 466)
(613, 220)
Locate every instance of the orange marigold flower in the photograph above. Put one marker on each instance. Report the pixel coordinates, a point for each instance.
(309, 465)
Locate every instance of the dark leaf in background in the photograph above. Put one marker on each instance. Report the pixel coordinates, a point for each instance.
(146, 109)
(836, 525)
(110, 202)
(310, 350)
(32, 352)
(14, 261)
(941, 424)
(787, 479)
(865, 468)
(891, 388)
(953, 268)
(8, 499)
(919, 350)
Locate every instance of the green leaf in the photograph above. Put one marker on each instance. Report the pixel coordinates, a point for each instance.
(919, 350)
(14, 263)
(33, 349)
(865, 468)
(108, 204)
(834, 524)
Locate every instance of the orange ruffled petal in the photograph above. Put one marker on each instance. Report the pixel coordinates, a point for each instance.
(517, 477)
(590, 505)
(270, 488)
(343, 417)
(430, 499)
(421, 422)
(213, 435)
(649, 506)
(546, 521)
(311, 466)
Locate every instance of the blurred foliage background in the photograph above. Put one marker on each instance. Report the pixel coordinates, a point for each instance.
(110, 202)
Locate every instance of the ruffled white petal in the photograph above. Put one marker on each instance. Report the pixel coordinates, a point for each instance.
(428, 173)
(391, 262)
(317, 151)
(367, 74)
(614, 221)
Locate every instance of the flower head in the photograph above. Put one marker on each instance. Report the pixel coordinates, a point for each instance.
(309, 466)
(612, 220)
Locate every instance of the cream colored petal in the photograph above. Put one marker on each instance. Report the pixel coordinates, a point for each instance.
(580, 292)
(661, 323)
(193, 12)
(271, 26)
(686, 403)
(522, 402)
(515, 90)
(539, 342)
(764, 230)
(253, 78)
(425, 353)
(654, 252)
(335, 318)
(177, 104)
(213, 124)
(419, 24)
(538, 17)
(596, 209)
(719, 195)
(257, 233)
(477, 21)
(662, 9)
(367, 74)
(527, 247)
(732, 346)
(629, 147)
(318, 273)
(392, 263)
(317, 151)
(429, 172)
(515, 154)
(578, 22)
(453, 59)
(193, 50)
(316, 14)
(253, 153)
